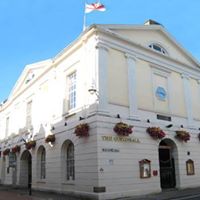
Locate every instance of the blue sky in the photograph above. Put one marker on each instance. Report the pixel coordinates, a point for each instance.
(35, 30)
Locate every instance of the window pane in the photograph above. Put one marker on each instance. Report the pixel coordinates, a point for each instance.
(70, 162)
(43, 164)
(72, 90)
(29, 114)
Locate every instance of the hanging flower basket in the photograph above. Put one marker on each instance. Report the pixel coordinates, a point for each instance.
(6, 152)
(16, 149)
(50, 138)
(156, 132)
(31, 144)
(183, 135)
(82, 130)
(123, 129)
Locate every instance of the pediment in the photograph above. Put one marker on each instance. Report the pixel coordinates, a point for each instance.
(146, 35)
(30, 72)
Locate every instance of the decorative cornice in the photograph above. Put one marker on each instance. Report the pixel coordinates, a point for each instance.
(130, 56)
(102, 46)
(185, 76)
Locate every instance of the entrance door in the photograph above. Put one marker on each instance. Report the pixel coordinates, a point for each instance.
(14, 169)
(29, 171)
(167, 168)
(26, 169)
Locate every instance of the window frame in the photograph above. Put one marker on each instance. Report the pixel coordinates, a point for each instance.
(43, 164)
(70, 162)
(155, 47)
(7, 126)
(72, 90)
(29, 113)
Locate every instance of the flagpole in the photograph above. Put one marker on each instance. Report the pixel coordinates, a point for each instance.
(92, 7)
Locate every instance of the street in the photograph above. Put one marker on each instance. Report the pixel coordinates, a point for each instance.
(191, 197)
(7, 193)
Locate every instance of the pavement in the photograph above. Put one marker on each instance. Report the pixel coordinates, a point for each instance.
(9, 193)
(172, 194)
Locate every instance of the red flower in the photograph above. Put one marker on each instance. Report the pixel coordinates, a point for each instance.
(6, 152)
(82, 130)
(123, 129)
(30, 144)
(183, 135)
(16, 149)
(156, 132)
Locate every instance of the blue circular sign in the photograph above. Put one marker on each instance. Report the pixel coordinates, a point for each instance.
(161, 94)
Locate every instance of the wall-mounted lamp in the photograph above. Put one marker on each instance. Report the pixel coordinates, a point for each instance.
(65, 124)
(169, 126)
(93, 90)
(81, 118)
(52, 128)
(181, 126)
(148, 121)
(50, 144)
(118, 116)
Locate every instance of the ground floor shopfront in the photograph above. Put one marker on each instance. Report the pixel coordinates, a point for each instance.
(105, 164)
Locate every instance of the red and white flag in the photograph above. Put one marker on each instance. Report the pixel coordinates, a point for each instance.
(94, 6)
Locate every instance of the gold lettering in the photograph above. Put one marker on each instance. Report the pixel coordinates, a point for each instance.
(107, 138)
(120, 139)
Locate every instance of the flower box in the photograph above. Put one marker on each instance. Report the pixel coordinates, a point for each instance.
(6, 152)
(182, 135)
(50, 138)
(16, 149)
(123, 129)
(82, 130)
(31, 144)
(156, 132)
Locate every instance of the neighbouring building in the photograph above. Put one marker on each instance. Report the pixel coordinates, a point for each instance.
(66, 126)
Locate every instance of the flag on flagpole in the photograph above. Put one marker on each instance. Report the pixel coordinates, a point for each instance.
(94, 6)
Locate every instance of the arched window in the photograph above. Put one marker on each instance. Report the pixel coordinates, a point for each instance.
(158, 48)
(41, 163)
(68, 164)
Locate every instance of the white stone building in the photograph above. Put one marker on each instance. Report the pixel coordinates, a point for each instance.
(138, 75)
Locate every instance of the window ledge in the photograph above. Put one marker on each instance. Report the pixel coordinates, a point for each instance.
(68, 183)
(71, 112)
(41, 181)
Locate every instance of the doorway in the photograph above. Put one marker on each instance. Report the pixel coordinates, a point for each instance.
(167, 164)
(26, 169)
(3, 169)
(13, 163)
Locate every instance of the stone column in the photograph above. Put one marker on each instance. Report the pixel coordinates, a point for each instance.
(188, 100)
(102, 77)
(133, 105)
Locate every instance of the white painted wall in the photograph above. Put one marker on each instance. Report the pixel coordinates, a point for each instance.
(101, 61)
